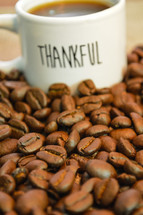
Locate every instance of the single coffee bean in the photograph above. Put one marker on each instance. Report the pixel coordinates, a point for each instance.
(89, 185)
(100, 169)
(39, 178)
(87, 88)
(12, 156)
(63, 180)
(125, 147)
(133, 169)
(137, 122)
(106, 98)
(56, 105)
(126, 179)
(82, 161)
(5, 131)
(42, 113)
(127, 202)
(6, 202)
(139, 186)
(101, 119)
(58, 90)
(121, 122)
(138, 141)
(31, 199)
(36, 164)
(53, 116)
(8, 146)
(23, 161)
(18, 94)
(51, 127)
(117, 159)
(108, 143)
(54, 155)
(8, 167)
(57, 138)
(126, 133)
(104, 192)
(67, 103)
(129, 107)
(69, 118)
(102, 155)
(116, 112)
(134, 85)
(36, 98)
(139, 157)
(88, 146)
(20, 174)
(23, 107)
(135, 69)
(78, 202)
(81, 127)
(34, 124)
(72, 141)
(18, 128)
(30, 143)
(97, 130)
(7, 183)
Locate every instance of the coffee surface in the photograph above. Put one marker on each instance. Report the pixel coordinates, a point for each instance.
(68, 9)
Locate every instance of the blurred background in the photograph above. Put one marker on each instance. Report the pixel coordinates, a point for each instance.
(9, 42)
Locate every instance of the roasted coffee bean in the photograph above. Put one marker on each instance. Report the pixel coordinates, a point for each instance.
(108, 143)
(39, 178)
(57, 138)
(69, 118)
(23, 161)
(98, 212)
(4, 92)
(78, 202)
(139, 157)
(31, 199)
(134, 85)
(72, 141)
(82, 126)
(127, 202)
(100, 169)
(126, 133)
(87, 87)
(97, 130)
(125, 147)
(6, 202)
(101, 119)
(23, 107)
(126, 179)
(11, 85)
(8, 146)
(18, 128)
(67, 103)
(7, 183)
(82, 161)
(5, 131)
(89, 185)
(104, 192)
(133, 169)
(58, 90)
(88, 146)
(20, 175)
(63, 180)
(116, 112)
(30, 143)
(130, 107)
(135, 70)
(56, 105)
(138, 141)
(8, 167)
(139, 186)
(117, 159)
(51, 127)
(137, 122)
(42, 113)
(132, 57)
(102, 155)
(53, 116)
(12, 156)
(121, 122)
(36, 164)
(34, 124)
(18, 94)
(36, 98)
(54, 155)
(106, 98)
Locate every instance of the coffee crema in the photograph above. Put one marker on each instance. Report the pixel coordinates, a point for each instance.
(68, 8)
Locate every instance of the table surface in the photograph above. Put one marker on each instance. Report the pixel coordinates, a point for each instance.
(10, 45)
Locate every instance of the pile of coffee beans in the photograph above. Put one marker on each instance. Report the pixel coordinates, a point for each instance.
(66, 154)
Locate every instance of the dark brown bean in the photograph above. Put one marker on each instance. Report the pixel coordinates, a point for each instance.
(34, 124)
(138, 141)
(101, 169)
(23, 161)
(139, 186)
(8, 146)
(58, 90)
(6, 202)
(57, 138)
(87, 87)
(67, 103)
(125, 147)
(30, 143)
(117, 159)
(51, 127)
(99, 212)
(139, 157)
(23, 107)
(108, 143)
(42, 113)
(126, 179)
(36, 164)
(89, 185)
(5, 131)
(102, 155)
(127, 202)
(133, 168)
(18, 94)
(18, 128)
(72, 141)
(97, 130)
(137, 122)
(126, 133)
(20, 174)
(8, 167)
(82, 126)
(12, 156)
(7, 183)
(121, 122)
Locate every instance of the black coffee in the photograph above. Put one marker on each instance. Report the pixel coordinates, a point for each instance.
(68, 8)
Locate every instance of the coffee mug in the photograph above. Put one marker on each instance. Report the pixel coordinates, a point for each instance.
(69, 49)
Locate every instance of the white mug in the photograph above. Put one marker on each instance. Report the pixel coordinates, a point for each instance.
(69, 49)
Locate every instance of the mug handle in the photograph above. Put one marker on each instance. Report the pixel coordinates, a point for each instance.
(9, 22)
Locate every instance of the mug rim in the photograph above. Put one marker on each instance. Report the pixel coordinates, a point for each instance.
(65, 20)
